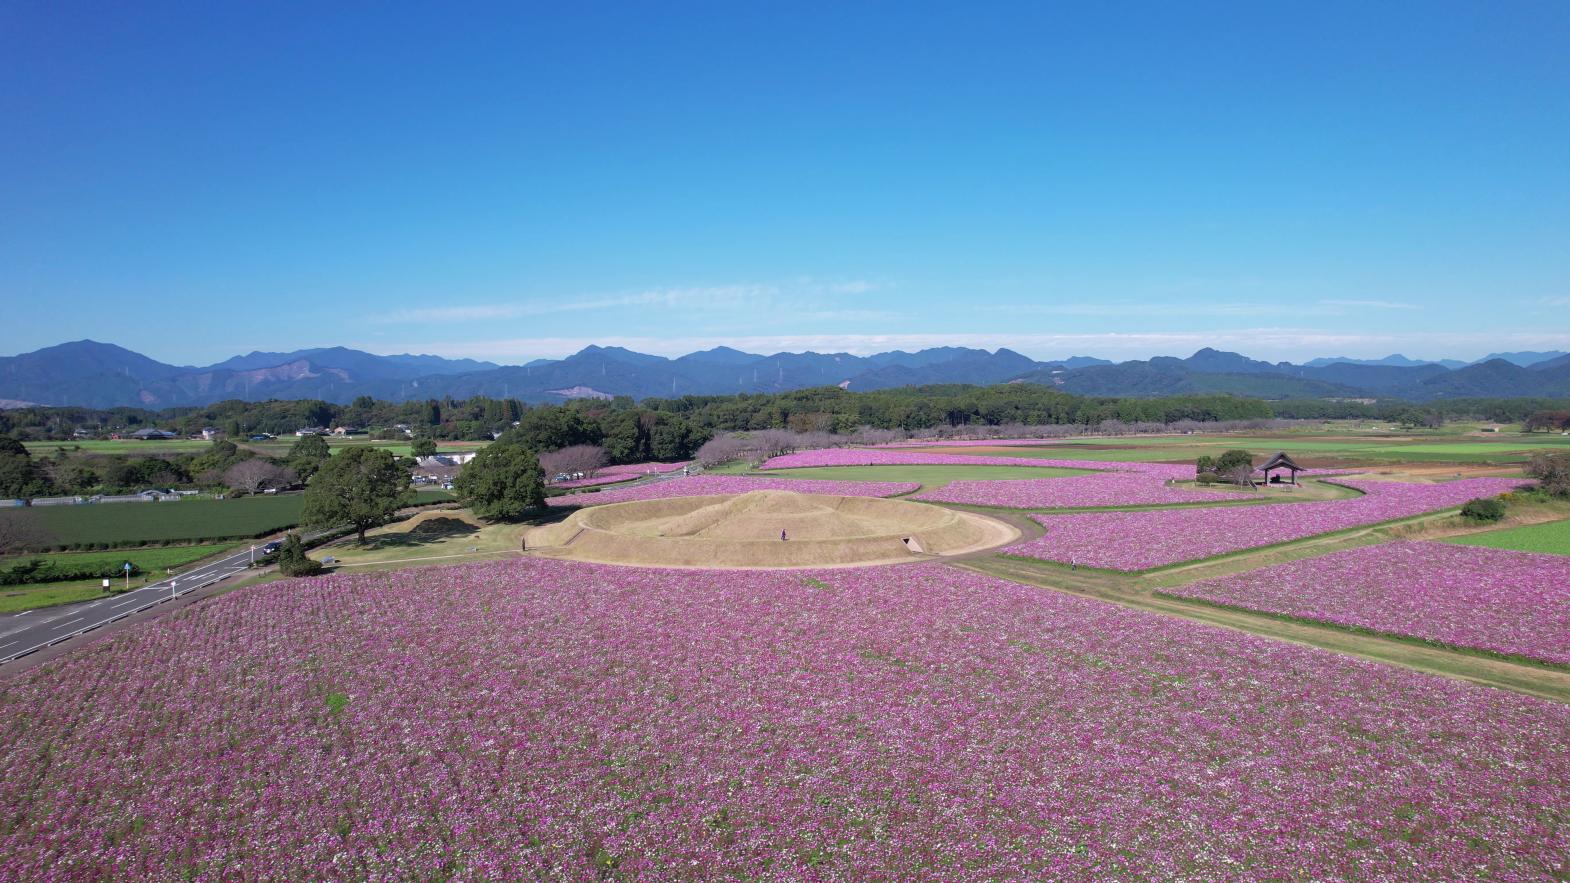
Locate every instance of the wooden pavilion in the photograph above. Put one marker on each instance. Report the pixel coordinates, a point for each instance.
(1280, 461)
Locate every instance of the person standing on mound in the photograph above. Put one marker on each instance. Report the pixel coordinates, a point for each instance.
(782, 536)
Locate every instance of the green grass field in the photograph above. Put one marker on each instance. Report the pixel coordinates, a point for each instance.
(929, 477)
(279, 448)
(134, 524)
(151, 560)
(153, 563)
(1552, 537)
(1427, 448)
(129, 447)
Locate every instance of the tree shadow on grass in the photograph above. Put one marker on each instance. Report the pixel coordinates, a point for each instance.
(427, 532)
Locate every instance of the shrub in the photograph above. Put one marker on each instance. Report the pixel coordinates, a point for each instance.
(1483, 509)
(292, 560)
(1208, 478)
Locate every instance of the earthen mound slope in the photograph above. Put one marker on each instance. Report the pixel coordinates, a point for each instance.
(743, 530)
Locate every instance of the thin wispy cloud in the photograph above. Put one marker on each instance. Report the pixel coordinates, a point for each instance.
(1369, 304)
(801, 294)
(705, 297)
(1322, 307)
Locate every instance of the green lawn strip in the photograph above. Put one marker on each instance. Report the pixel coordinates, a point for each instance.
(1552, 537)
(150, 559)
(153, 562)
(15, 599)
(1515, 658)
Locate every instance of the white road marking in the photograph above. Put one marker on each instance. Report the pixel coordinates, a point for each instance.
(69, 621)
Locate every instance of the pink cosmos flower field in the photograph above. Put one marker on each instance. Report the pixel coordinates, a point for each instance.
(644, 468)
(705, 485)
(883, 457)
(1099, 489)
(1514, 603)
(537, 719)
(1153, 538)
(614, 478)
(1113, 484)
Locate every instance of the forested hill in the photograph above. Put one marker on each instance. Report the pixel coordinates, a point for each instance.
(91, 374)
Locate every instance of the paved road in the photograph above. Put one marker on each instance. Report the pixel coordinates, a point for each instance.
(27, 633)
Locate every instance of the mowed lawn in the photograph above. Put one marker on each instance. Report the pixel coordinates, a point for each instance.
(134, 524)
(153, 562)
(1552, 537)
(929, 477)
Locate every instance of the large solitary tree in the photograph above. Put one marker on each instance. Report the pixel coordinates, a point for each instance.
(361, 487)
(502, 483)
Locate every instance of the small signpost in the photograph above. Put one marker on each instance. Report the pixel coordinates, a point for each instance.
(128, 576)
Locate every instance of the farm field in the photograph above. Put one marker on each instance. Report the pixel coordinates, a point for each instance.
(1131, 541)
(152, 561)
(1113, 490)
(1551, 537)
(280, 447)
(706, 485)
(930, 477)
(836, 730)
(133, 524)
(275, 448)
(1437, 447)
(1510, 603)
(129, 447)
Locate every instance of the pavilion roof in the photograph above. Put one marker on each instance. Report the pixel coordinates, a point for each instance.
(1281, 461)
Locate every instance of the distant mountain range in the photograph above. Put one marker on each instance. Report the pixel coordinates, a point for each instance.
(100, 375)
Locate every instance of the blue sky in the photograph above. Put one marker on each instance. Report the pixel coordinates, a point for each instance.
(510, 182)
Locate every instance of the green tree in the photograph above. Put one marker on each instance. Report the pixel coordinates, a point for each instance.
(1552, 471)
(19, 475)
(503, 482)
(308, 455)
(423, 447)
(361, 487)
(220, 456)
(292, 560)
(1235, 465)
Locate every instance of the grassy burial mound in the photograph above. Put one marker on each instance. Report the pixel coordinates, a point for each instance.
(743, 530)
